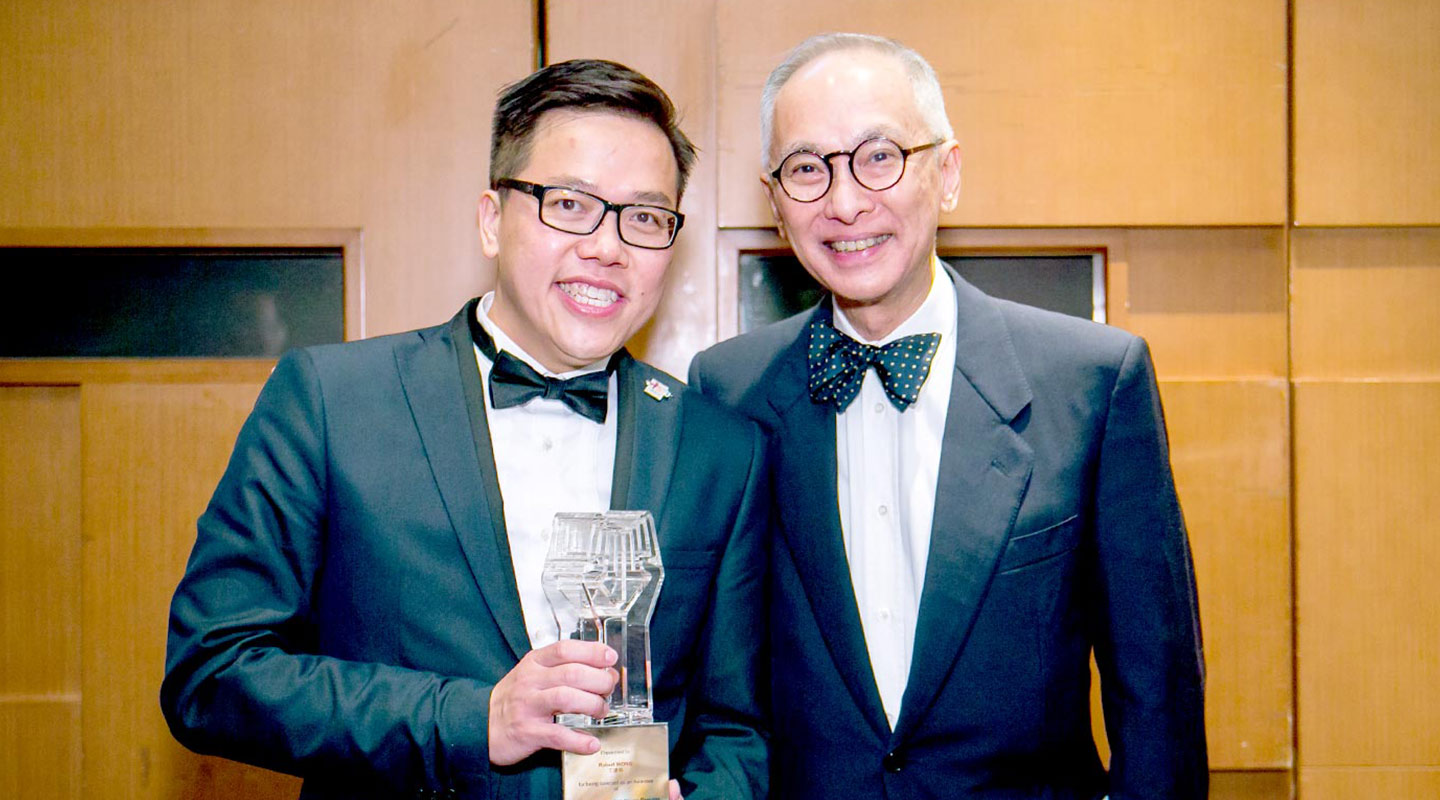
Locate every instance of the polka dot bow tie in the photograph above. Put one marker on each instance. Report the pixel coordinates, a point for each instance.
(838, 364)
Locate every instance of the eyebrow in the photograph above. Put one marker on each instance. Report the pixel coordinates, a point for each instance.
(572, 182)
(870, 133)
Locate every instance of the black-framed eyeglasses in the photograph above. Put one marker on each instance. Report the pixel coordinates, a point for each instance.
(876, 164)
(573, 211)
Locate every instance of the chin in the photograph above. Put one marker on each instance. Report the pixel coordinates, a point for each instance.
(863, 291)
(591, 350)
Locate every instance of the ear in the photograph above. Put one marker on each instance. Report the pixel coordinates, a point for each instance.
(950, 176)
(770, 189)
(488, 217)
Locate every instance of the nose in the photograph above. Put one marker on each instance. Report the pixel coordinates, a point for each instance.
(603, 244)
(847, 199)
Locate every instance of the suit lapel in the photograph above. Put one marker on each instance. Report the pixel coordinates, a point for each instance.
(984, 471)
(805, 485)
(437, 376)
(647, 438)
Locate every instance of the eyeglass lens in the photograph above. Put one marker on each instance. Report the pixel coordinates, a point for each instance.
(876, 164)
(577, 212)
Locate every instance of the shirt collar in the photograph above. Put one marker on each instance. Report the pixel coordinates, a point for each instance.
(504, 342)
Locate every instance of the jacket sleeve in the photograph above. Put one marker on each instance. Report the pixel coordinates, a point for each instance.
(243, 678)
(724, 747)
(1148, 645)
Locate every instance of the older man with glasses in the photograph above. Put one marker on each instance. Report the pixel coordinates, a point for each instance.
(364, 603)
(973, 496)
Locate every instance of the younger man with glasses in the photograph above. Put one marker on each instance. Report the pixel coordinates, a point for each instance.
(363, 604)
(972, 495)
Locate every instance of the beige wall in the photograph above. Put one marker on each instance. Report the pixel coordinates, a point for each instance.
(1197, 144)
(266, 114)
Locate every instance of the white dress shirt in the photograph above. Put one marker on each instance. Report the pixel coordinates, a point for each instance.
(888, 463)
(548, 459)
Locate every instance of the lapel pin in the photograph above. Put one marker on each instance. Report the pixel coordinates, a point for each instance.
(657, 390)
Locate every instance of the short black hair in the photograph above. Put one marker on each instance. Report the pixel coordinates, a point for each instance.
(580, 85)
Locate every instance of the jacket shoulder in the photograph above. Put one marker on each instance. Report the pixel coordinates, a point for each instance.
(1038, 330)
(363, 357)
(1063, 356)
(734, 369)
(699, 408)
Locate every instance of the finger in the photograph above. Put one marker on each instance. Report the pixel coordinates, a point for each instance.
(569, 700)
(675, 790)
(567, 651)
(579, 676)
(559, 737)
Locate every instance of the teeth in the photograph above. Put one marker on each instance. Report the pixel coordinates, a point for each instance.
(858, 244)
(589, 295)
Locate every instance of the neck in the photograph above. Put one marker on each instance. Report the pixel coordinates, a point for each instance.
(503, 321)
(877, 319)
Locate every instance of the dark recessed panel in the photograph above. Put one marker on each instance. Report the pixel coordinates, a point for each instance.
(773, 287)
(169, 303)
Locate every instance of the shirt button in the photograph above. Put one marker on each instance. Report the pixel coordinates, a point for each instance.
(879, 408)
(885, 614)
(546, 444)
(884, 510)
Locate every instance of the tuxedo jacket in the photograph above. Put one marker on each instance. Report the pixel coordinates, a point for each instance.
(1056, 531)
(350, 602)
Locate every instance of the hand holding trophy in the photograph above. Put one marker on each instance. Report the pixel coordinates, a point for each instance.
(603, 576)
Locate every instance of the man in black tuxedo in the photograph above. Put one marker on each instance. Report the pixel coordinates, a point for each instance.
(972, 495)
(363, 604)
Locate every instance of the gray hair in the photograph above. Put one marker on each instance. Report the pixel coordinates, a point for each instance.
(923, 82)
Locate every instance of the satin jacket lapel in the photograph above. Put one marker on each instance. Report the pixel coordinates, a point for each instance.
(647, 438)
(984, 471)
(438, 377)
(805, 485)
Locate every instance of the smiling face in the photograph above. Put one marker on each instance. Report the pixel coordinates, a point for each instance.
(572, 300)
(872, 249)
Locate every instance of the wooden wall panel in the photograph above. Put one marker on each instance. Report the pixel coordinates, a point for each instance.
(39, 592)
(1367, 494)
(1210, 301)
(1367, 112)
(40, 750)
(39, 541)
(1399, 783)
(80, 371)
(1102, 112)
(153, 454)
(1230, 452)
(267, 114)
(1366, 303)
(674, 45)
(1259, 785)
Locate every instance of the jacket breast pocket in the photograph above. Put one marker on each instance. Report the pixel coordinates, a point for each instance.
(689, 576)
(676, 558)
(1032, 548)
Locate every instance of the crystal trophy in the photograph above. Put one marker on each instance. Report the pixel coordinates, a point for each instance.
(602, 577)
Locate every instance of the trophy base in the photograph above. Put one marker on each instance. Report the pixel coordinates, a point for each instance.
(633, 763)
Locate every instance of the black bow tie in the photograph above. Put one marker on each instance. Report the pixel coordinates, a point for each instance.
(513, 382)
(838, 364)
